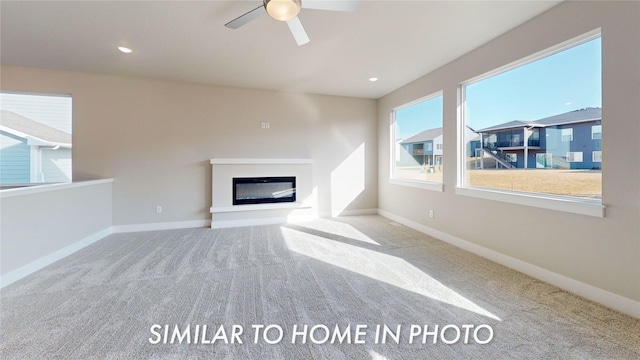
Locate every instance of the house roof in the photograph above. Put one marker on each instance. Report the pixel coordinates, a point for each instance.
(507, 125)
(24, 127)
(581, 115)
(575, 116)
(424, 136)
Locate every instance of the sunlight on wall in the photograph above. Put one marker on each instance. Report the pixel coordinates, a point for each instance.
(333, 248)
(347, 181)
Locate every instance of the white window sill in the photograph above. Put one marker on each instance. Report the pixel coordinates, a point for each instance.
(559, 203)
(428, 185)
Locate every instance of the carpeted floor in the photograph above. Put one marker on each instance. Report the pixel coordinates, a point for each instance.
(343, 278)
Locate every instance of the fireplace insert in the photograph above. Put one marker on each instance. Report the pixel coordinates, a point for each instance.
(264, 190)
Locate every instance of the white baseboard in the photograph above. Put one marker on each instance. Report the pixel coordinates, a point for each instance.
(161, 226)
(34, 266)
(350, 213)
(606, 298)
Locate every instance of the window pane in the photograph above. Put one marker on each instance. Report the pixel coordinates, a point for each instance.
(542, 117)
(417, 132)
(35, 140)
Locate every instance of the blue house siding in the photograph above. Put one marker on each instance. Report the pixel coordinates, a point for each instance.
(14, 159)
(472, 146)
(562, 142)
(422, 152)
(581, 143)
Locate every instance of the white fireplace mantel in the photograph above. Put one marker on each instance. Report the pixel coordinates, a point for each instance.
(229, 161)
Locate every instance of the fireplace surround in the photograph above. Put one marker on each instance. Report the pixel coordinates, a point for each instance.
(227, 212)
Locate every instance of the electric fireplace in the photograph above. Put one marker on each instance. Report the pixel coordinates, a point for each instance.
(264, 190)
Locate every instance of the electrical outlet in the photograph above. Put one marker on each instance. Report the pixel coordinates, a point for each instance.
(431, 214)
(265, 125)
(158, 209)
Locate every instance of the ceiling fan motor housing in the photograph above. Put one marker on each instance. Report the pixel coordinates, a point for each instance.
(283, 10)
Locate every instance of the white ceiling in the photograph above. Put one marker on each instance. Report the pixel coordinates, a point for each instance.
(396, 41)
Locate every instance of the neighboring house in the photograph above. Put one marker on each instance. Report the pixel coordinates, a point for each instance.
(424, 148)
(474, 143)
(32, 152)
(571, 140)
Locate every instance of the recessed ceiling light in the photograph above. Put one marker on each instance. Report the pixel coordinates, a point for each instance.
(124, 49)
(372, 79)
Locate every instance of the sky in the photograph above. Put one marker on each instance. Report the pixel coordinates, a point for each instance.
(566, 81)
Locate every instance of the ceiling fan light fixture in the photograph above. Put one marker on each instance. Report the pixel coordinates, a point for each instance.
(283, 10)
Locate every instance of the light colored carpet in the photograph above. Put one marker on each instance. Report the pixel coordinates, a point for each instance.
(102, 301)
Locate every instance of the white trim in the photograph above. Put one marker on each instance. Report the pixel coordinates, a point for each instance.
(49, 259)
(559, 203)
(161, 226)
(428, 185)
(226, 161)
(359, 212)
(355, 212)
(606, 298)
(35, 188)
(259, 207)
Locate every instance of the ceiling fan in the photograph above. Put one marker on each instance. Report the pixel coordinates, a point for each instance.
(288, 10)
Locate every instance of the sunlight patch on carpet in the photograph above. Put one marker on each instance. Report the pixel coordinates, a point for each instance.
(377, 265)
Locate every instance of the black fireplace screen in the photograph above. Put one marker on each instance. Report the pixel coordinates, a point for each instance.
(264, 190)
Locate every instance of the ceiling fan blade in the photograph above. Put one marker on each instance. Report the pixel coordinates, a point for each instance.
(335, 5)
(245, 18)
(298, 31)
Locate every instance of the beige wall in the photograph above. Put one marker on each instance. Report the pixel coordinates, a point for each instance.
(156, 138)
(602, 252)
(43, 224)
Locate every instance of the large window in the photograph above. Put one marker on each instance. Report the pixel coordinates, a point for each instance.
(534, 120)
(35, 139)
(416, 133)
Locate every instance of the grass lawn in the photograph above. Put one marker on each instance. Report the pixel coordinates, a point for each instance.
(583, 183)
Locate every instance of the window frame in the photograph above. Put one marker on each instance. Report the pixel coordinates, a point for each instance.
(593, 156)
(575, 156)
(571, 204)
(599, 132)
(420, 184)
(566, 132)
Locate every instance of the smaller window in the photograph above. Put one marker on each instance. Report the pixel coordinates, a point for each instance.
(596, 156)
(544, 160)
(574, 156)
(596, 132)
(512, 157)
(415, 127)
(567, 134)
